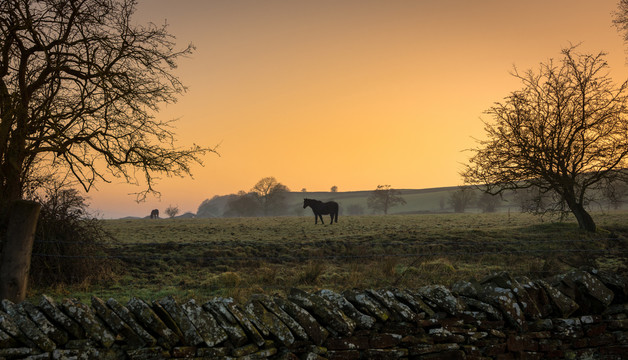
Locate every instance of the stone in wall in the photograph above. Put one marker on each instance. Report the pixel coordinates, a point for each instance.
(243, 320)
(146, 316)
(400, 311)
(48, 306)
(84, 316)
(28, 327)
(314, 330)
(227, 322)
(362, 321)
(59, 336)
(442, 298)
(205, 324)
(116, 323)
(504, 280)
(590, 293)
(275, 326)
(291, 323)
(506, 301)
(366, 304)
(562, 305)
(323, 309)
(126, 315)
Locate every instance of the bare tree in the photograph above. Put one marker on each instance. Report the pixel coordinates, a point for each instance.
(272, 195)
(614, 193)
(565, 132)
(532, 200)
(79, 86)
(462, 198)
(488, 202)
(172, 211)
(383, 198)
(243, 204)
(621, 18)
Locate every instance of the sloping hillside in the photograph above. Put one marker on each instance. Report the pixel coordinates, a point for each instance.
(433, 200)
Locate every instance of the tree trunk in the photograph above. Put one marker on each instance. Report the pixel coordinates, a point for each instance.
(15, 260)
(585, 221)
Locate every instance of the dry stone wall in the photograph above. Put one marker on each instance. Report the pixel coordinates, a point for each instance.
(582, 314)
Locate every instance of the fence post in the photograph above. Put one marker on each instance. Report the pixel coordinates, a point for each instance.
(15, 260)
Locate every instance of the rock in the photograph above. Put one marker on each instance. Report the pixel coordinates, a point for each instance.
(59, 336)
(525, 301)
(561, 304)
(8, 326)
(130, 320)
(205, 324)
(591, 295)
(244, 350)
(388, 299)
(190, 335)
(28, 327)
(324, 310)
(314, 330)
(505, 300)
(116, 323)
(567, 328)
(6, 341)
(84, 315)
(146, 316)
(414, 302)
(49, 307)
(17, 353)
(227, 322)
(538, 295)
(361, 320)
(466, 288)
(615, 282)
(246, 324)
(271, 306)
(212, 353)
(276, 327)
(441, 297)
(366, 304)
(257, 322)
(165, 316)
(386, 354)
(148, 353)
(492, 312)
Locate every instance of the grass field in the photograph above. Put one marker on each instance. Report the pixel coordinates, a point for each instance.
(235, 257)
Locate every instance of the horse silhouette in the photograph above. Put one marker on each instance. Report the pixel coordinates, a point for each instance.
(154, 214)
(322, 208)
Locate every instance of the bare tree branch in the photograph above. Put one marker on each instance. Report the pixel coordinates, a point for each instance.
(79, 86)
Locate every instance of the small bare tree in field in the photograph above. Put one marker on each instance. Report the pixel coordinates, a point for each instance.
(271, 194)
(462, 198)
(383, 198)
(172, 211)
(564, 133)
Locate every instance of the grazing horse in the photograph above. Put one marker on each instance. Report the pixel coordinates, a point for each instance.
(322, 208)
(154, 214)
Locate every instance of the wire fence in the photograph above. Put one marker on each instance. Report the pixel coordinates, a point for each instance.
(114, 251)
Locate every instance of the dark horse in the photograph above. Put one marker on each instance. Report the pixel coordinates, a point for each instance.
(322, 208)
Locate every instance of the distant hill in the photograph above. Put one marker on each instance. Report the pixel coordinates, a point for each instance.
(432, 200)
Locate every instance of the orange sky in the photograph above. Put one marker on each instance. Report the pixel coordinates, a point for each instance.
(352, 93)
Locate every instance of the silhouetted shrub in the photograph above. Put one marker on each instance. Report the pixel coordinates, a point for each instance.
(70, 246)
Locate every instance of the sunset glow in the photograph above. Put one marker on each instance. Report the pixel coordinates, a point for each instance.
(352, 93)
